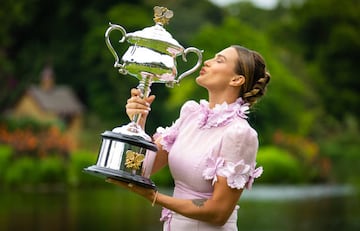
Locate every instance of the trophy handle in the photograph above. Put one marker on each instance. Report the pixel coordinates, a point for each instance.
(194, 68)
(111, 48)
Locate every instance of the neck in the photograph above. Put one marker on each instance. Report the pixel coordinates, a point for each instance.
(221, 98)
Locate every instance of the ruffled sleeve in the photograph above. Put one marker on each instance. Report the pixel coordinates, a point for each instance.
(235, 158)
(168, 135)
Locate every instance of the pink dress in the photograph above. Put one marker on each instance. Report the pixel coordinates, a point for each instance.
(205, 143)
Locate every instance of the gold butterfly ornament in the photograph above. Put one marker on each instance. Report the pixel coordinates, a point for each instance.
(133, 160)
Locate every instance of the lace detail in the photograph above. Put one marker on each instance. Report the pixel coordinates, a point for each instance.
(239, 175)
(221, 114)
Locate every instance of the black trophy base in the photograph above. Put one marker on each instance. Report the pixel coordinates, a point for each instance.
(120, 175)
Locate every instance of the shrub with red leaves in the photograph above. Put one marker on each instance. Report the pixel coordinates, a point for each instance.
(37, 142)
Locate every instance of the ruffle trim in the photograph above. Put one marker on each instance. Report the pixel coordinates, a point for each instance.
(166, 216)
(168, 135)
(239, 175)
(221, 114)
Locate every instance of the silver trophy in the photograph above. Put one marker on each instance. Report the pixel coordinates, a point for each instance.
(127, 152)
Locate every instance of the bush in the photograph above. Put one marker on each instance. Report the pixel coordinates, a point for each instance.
(30, 172)
(78, 161)
(5, 155)
(280, 167)
(31, 138)
(22, 172)
(340, 142)
(51, 170)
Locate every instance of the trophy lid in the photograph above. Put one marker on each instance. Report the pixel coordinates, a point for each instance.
(156, 37)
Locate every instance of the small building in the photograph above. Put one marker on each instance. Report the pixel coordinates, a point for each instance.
(48, 102)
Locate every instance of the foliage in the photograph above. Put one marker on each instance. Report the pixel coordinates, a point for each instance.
(328, 40)
(5, 155)
(21, 173)
(71, 38)
(76, 177)
(340, 143)
(33, 138)
(285, 88)
(280, 167)
(52, 170)
(311, 50)
(27, 172)
(189, 17)
(307, 153)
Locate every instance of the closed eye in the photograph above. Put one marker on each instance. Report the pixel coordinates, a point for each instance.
(220, 58)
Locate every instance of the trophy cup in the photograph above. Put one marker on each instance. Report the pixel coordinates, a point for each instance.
(127, 152)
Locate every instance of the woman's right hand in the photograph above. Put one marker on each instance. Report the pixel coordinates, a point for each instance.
(136, 105)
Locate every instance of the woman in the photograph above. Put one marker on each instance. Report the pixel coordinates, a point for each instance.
(211, 148)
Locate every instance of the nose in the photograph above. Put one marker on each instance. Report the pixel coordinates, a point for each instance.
(207, 62)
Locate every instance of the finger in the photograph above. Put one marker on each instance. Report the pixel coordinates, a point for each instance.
(150, 99)
(136, 107)
(143, 114)
(135, 92)
(135, 96)
(138, 100)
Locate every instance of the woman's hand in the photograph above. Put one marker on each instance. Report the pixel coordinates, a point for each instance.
(148, 193)
(136, 105)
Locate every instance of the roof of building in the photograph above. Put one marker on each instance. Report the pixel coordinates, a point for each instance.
(54, 98)
(58, 99)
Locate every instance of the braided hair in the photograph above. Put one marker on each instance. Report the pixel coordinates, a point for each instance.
(252, 66)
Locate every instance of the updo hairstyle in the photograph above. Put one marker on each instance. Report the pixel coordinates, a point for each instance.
(251, 65)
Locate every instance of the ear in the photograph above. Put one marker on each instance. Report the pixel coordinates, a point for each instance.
(237, 80)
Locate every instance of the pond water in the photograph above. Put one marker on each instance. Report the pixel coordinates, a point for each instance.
(264, 208)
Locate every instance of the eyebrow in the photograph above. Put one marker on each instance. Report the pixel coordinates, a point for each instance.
(221, 56)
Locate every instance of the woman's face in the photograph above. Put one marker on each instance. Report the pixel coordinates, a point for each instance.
(217, 72)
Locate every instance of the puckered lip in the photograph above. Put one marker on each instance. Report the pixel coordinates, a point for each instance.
(202, 71)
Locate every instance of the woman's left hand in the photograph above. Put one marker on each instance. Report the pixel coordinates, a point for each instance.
(142, 191)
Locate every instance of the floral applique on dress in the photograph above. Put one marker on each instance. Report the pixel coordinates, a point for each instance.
(221, 114)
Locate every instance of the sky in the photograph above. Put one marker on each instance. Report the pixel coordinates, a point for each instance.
(267, 4)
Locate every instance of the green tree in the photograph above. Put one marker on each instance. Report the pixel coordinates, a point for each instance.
(288, 96)
(36, 32)
(13, 15)
(70, 35)
(326, 33)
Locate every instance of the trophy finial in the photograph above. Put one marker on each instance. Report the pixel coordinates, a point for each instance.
(162, 15)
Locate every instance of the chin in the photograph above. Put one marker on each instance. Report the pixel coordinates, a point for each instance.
(197, 79)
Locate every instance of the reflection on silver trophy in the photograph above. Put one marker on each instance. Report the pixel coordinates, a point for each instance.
(127, 152)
